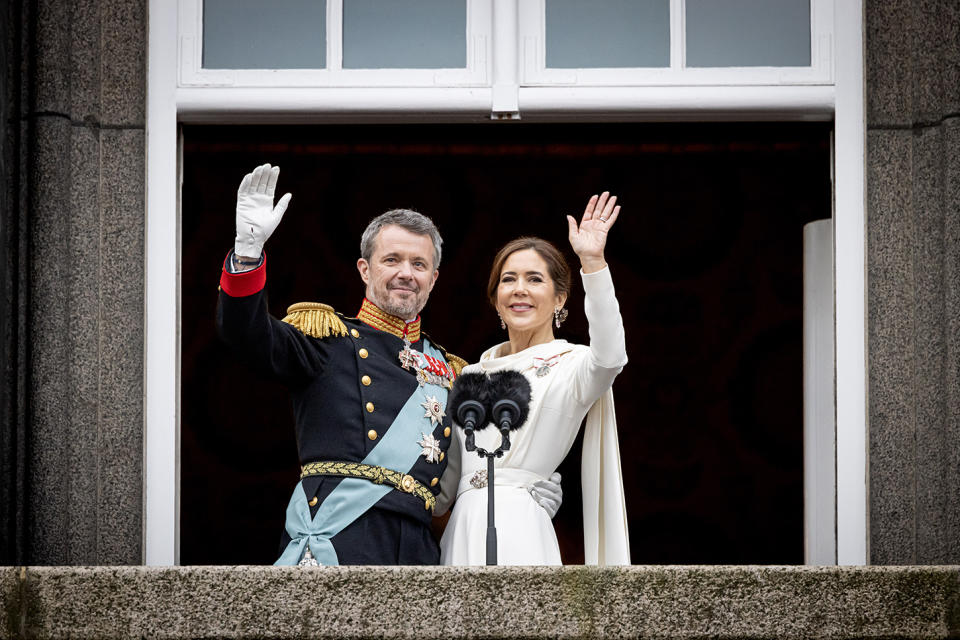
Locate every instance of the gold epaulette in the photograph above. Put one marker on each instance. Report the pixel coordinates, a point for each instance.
(315, 319)
(456, 362)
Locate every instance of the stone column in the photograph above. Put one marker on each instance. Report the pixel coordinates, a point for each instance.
(77, 407)
(913, 262)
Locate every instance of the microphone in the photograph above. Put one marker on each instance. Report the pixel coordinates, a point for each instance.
(468, 403)
(510, 393)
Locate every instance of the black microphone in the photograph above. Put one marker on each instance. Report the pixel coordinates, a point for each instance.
(509, 392)
(468, 403)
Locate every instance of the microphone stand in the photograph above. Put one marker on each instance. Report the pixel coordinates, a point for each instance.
(507, 414)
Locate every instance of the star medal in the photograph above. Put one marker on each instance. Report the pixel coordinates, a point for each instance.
(431, 447)
(434, 410)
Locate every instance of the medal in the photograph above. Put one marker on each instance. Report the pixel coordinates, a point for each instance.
(429, 370)
(542, 365)
(431, 447)
(434, 410)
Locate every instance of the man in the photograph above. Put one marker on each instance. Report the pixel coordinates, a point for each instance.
(369, 393)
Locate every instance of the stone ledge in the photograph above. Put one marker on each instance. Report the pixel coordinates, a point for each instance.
(499, 602)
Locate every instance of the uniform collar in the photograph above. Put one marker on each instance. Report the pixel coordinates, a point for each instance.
(377, 318)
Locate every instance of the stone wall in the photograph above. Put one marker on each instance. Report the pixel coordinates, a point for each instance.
(495, 602)
(75, 406)
(913, 256)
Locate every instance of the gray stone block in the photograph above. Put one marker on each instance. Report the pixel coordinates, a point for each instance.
(912, 61)
(50, 56)
(49, 386)
(495, 602)
(935, 59)
(121, 370)
(83, 30)
(886, 58)
(81, 290)
(12, 608)
(932, 439)
(939, 539)
(123, 59)
(891, 335)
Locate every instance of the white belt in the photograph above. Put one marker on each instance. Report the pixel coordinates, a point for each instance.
(505, 477)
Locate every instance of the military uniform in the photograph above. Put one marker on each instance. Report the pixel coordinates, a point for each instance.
(350, 393)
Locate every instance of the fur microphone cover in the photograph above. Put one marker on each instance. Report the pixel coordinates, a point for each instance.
(470, 386)
(510, 385)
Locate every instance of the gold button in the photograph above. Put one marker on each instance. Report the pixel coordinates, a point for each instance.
(434, 482)
(446, 432)
(372, 434)
(442, 456)
(369, 407)
(313, 502)
(426, 505)
(363, 353)
(365, 380)
(354, 333)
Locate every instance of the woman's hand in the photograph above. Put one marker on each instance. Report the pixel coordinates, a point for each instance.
(589, 239)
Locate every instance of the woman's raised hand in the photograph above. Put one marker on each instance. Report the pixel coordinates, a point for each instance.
(590, 237)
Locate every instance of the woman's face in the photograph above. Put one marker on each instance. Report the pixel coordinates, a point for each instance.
(525, 295)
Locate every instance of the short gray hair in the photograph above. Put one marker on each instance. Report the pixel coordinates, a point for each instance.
(408, 219)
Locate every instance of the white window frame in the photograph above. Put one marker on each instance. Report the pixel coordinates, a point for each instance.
(535, 73)
(193, 74)
(172, 98)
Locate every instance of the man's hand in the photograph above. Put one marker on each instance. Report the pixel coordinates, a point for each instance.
(548, 494)
(256, 216)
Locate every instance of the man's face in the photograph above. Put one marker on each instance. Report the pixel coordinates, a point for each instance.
(400, 274)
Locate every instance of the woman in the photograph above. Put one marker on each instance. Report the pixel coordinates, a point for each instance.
(529, 284)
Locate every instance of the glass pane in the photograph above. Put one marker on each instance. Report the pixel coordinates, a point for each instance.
(252, 34)
(748, 33)
(608, 33)
(404, 34)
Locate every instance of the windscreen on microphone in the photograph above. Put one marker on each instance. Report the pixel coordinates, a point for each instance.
(513, 387)
(468, 402)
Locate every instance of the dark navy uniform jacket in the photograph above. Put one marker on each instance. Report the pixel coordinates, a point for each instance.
(346, 392)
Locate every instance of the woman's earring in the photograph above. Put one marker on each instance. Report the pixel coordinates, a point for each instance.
(503, 325)
(559, 315)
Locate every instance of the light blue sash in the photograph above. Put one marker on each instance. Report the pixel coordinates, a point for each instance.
(397, 450)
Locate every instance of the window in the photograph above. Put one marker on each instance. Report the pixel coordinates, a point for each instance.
(506, 45)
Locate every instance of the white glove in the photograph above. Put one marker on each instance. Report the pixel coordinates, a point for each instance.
(256, 216)
(548, 494)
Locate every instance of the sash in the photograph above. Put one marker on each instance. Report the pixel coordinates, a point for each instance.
(397, 450)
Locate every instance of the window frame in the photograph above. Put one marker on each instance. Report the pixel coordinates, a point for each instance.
(193, 74)
(532, 24)
(172, 99)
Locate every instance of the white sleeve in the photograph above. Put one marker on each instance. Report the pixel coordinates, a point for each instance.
(608, 349)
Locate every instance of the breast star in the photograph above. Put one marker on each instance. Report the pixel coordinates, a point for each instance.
(434, 410)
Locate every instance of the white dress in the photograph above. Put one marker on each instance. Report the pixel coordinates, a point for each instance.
(577, 385)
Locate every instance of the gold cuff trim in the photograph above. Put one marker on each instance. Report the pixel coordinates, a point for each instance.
(315, 319)
(377, 475)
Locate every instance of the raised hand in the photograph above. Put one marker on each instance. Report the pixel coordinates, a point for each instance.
(590, 237)
(257, 218)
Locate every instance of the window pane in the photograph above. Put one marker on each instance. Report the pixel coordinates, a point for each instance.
(608, 33)
(404, 34)
(252, 34)
(748, 33)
